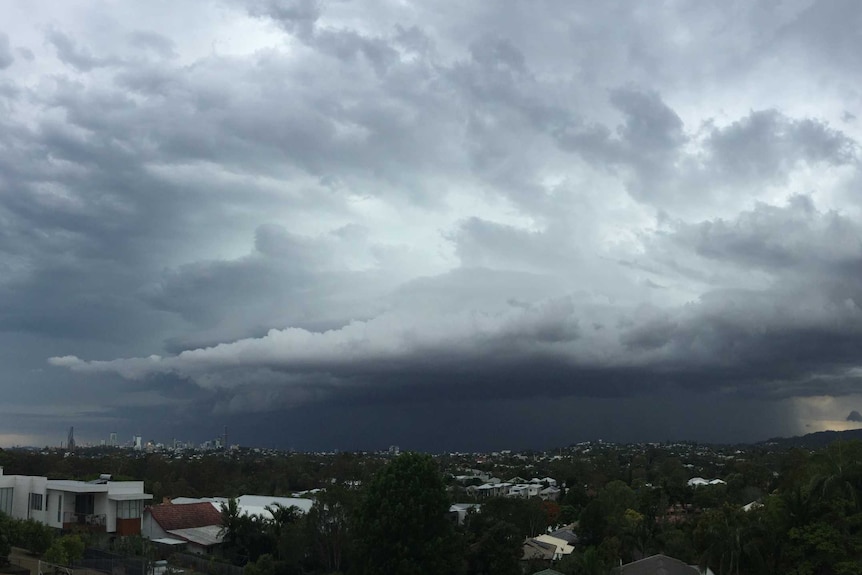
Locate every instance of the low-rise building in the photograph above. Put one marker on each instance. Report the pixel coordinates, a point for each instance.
(195, 526)
(98, 506)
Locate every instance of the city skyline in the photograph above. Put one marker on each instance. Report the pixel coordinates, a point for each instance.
(327, 225)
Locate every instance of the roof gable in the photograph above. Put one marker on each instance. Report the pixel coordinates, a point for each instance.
(171, 517)
(658, 565)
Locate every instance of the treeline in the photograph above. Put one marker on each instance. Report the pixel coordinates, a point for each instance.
(804, 519)
(207, 475)
(805, 516)
(399, 523)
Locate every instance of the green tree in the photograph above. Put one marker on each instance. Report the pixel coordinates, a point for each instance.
(265, 565)
(287, 537)
(402, 523)
(328, 524)
(496, 552)
(65, 550)
(35, 536)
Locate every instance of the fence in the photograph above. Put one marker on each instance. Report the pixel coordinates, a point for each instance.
(202, 564)
(46, 568)
(112, 563)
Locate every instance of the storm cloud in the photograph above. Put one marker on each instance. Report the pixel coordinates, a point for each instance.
(288, 210)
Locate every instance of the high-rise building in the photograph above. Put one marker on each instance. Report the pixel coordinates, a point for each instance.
(112, 439)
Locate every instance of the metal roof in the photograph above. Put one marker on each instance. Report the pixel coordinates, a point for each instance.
(206, 536)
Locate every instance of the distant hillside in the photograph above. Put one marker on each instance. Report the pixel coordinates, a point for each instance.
(816, 440)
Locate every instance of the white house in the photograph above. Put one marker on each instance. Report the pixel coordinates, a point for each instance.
(699, 481)
(100, 506)
(561, 546)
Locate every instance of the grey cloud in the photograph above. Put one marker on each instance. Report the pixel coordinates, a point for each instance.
(650, 125)
(295, 16)
(69, 52)
(6, 57)
(26, 53)
(757, 151)
(796, 237)
(480, 243)
(824, 30)
(854, 416)
(289, 280)
(767, 144)
(162, 46)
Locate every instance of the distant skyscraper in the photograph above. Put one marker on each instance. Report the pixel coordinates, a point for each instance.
(70, 442)
(138, 443)
(112, 440)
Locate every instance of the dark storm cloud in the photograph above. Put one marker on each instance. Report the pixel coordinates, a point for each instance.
(312, 204)
(854, 416)
(790, 338)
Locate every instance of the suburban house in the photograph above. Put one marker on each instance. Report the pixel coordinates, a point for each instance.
(195, 527)
(534, 550)
(194, 523)
(98, 506)
(659, 565)
(700, 481)
(566, 533)
(561, 546)
(458, 511)
(544, 488)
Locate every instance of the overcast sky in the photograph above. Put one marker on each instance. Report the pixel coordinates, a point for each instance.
(442, 225)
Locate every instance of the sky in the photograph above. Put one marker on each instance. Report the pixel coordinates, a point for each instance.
(443, 225)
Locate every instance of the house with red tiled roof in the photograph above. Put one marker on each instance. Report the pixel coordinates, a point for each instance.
(196, 527)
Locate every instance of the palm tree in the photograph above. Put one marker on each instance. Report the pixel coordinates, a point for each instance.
(234, 528)
(277, 526)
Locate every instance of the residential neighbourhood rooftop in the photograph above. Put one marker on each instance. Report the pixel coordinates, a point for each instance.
(170, 516)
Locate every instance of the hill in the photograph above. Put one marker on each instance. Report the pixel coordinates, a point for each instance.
(815, 440)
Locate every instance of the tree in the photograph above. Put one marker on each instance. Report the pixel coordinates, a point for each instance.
(497, 551)
(287, 537)
(328, 524)
(35, 536)
(246, 537)
(402, 523)
(65, 550)
(528, 516)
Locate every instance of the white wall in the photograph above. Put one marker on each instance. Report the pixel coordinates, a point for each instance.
(150, 528)
(23, 486)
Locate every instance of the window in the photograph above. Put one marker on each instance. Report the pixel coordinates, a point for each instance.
(6, 500)
(129, 509)
(36, 501)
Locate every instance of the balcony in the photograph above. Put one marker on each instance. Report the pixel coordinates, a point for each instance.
(94, 522)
